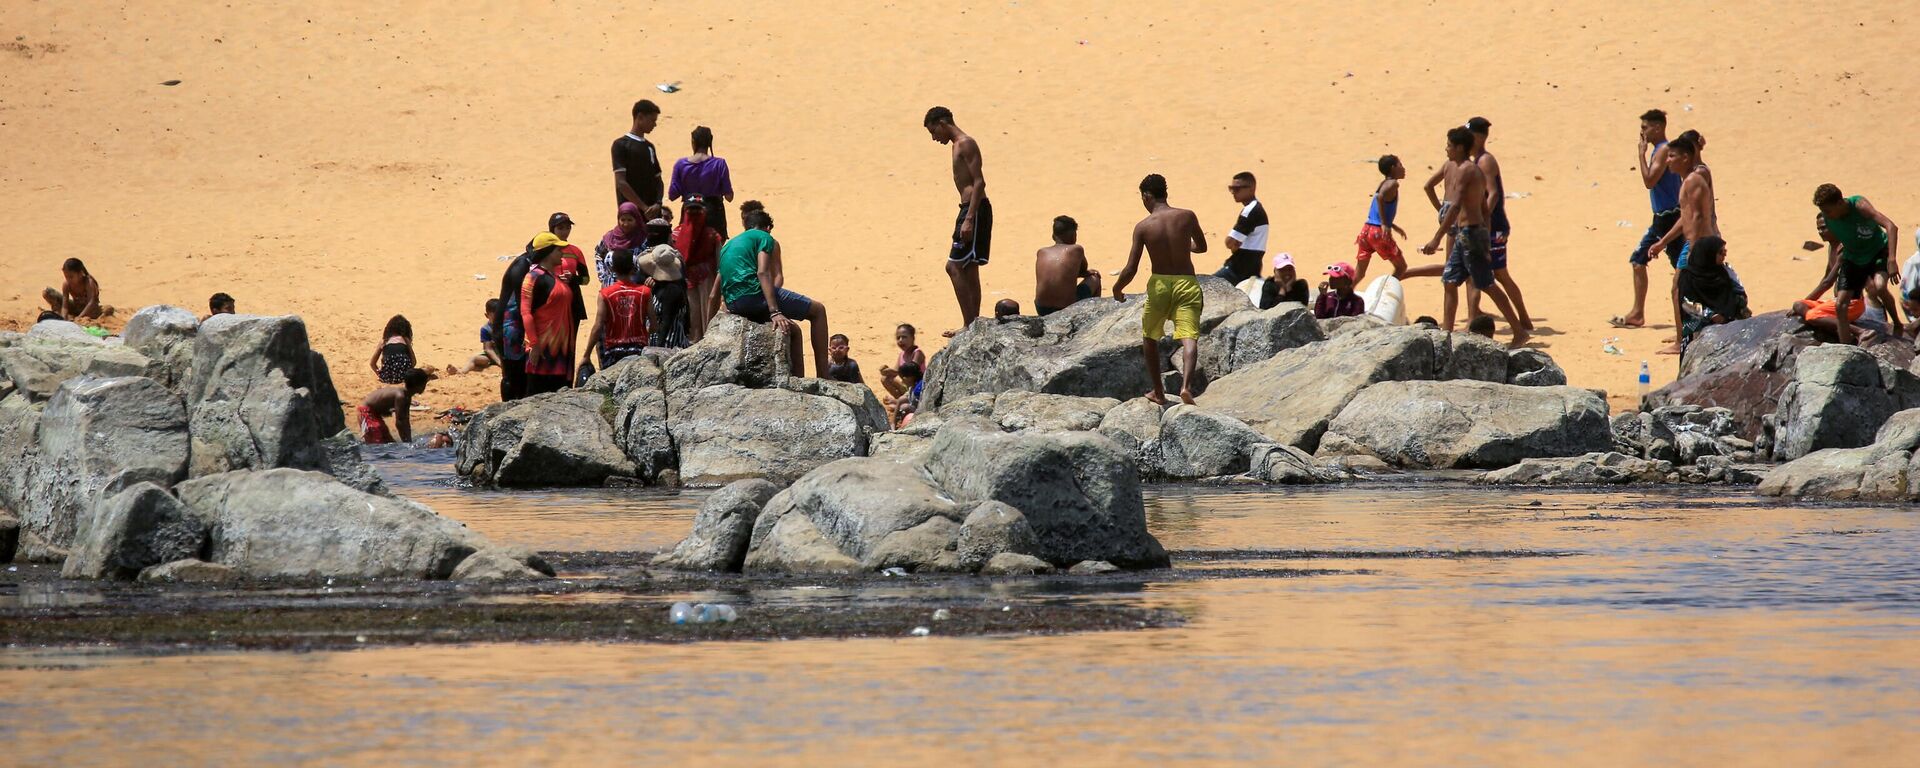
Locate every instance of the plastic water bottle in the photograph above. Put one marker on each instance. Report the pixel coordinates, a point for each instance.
(680, 613)
(1646, 381)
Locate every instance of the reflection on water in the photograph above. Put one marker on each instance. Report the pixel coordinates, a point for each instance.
(1689, 629)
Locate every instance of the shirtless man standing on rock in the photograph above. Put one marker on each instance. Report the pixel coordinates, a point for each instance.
(1170, 236)
(1466, 216)
(973, 229)
(1697, 216)
(1060, 273)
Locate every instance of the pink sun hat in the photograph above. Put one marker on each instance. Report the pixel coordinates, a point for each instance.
(1341, 269)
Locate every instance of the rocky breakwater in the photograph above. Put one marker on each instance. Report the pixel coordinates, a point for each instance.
(981, 501)
(721, 410)
(1886, 469)
(134, 456)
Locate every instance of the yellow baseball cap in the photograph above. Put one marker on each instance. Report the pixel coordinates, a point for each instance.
(546, 239)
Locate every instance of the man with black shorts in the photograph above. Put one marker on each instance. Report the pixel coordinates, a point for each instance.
(973, 228)
(1864, 238)
(1465, 218)
(1698, 219)
(636, 166)
(1247, 243)
(1497, 224)
(1663, 190)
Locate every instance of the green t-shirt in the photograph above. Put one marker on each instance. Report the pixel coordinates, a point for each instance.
(1861, 238)
(740, 263)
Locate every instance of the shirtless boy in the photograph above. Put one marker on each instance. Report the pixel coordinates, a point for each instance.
(1170, 236)
(391, 401)
(1697, 218)
(1465, 217)
(1060, 273)
(973, 229)
(1497, 224)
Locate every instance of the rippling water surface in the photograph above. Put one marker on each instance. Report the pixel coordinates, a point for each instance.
(1674, 628)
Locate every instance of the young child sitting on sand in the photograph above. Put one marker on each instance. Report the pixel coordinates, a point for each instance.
(840, 367)
(1337, 298)
(908, 402)
(394, 357)
(489, 351)
(391, 401)
(909, 353)
(78, 297)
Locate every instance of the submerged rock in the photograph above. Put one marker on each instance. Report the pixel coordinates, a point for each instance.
(1592, 469)
(190, 572)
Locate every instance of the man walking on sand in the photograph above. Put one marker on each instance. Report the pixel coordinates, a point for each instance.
(1465, 217)
(1247, 243)
(1060, 273)
(1497, 225)
(973, 229)
(1663, 189)
(1170, 236)
(636, 166)
(1697, 217)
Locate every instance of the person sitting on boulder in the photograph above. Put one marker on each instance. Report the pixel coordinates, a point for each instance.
(840, 367)
(1482, 324)
(1707, 281)
(1337, 298)
(391, 401)
(753, 286)
(1006, 309)
(220, 304)
(1824, 318)
(78, 297)
(909, 353)
(1283, 285)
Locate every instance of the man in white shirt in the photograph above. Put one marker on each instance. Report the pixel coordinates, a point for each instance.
(1247, 243)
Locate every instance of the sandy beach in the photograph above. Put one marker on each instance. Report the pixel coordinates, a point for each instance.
(347, 161)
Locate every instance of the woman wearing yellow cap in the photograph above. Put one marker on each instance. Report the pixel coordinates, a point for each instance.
(546, 317)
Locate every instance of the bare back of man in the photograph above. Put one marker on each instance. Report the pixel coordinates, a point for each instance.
(1465, 218)
(1057, 271)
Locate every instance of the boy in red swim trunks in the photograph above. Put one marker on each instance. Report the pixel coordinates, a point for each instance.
(1376, 237)
(391, 401)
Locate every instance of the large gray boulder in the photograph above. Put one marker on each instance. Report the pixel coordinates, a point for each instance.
(645, 371)
(992, 528)
(722, 529)
(1884, 470)
(1089, 349)
(553, 439)
(734, 351)
(140, 527)
(1592, 469)
(95, 438)
(1291, 397)
(37, 364)
(727, 432)
(867, 410)
(1839, 397)
(1465, 424)
(255, 399)
(291, 523)
(1195, 443)
(854, 504)
(640, 429)
(165, 335)
(1079, 491)
(1251, 335)
(1019, 410)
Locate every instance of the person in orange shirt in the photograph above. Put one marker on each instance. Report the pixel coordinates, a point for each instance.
(1823, 316)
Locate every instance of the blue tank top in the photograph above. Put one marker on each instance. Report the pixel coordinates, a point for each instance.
(1380, 217)
(1666, 192)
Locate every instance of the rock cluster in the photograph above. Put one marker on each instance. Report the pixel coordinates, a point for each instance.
(215, 443)
(1883, 470)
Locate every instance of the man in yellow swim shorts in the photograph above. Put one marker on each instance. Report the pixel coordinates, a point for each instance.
(1170, 236)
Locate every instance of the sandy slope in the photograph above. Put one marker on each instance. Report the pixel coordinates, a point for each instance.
(346, 161)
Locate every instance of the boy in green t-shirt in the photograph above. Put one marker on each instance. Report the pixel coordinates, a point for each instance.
(752, 285)
(1859, 253)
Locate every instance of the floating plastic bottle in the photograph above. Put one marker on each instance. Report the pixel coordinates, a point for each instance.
(680, 613)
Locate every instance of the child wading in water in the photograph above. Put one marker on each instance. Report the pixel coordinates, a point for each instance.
(909, 353)
(391, 401)
(394, 357)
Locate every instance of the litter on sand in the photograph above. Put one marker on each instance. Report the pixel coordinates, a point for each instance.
(479, 277)
(1608, 347)
(673, 87)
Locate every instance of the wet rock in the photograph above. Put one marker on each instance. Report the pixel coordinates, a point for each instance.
(1632, 433)
(9, 536)
(502, 563)
(794, 545)
(1533, 368)
(253, 401)
(991, 528)
(292, 523)
(189, 572)
(1015, 564)
(1468, 424)
(1881, 471)
(38, 365)
(132, 530)
(854, 504)
(1286, 465)
(1292, 397)
(722, 529)
(1195, 443)
(1839, 397)
(1592, 469)
(929, 547)
(553, 439)
(1092, 568)
(1252, 335)
(1078, 490)
(1338, 467)
(642, 431)
(96, 438)
(1089, 349)
(1133, 424)
(727, 432)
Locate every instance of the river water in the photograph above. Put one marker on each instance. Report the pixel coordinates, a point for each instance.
(1678, 628)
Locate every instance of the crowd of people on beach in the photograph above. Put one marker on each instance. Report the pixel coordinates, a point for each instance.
(663, 279)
